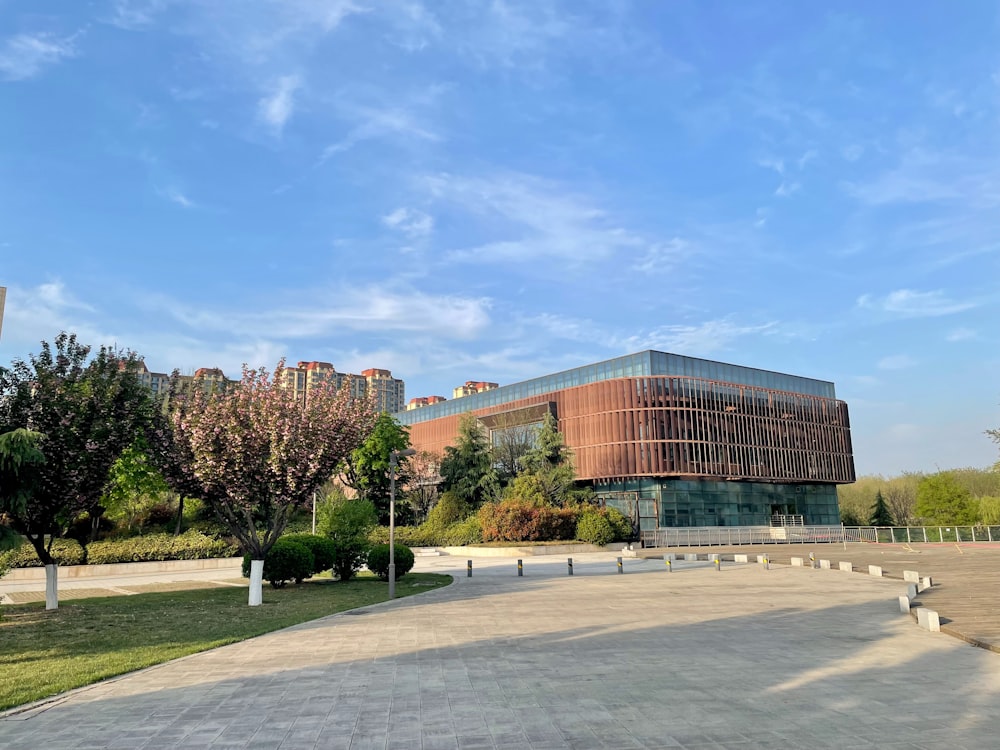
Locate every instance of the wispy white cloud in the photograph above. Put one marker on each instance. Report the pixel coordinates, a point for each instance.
(537, 219)
(701, 339)
(907, 303)
(376, 122)
(40, 313)
(786, 189)
(961, 334)
(176, 196)
(778, 165)
(663, 256)
(358, 308)
(136, 14)
(896, 362)
(276, 108)
(807, 157)
(852, 152)
(26, 55)
(410, 221)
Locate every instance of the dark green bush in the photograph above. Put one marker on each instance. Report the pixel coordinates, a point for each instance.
(285, 561)
(378, 560)
(595, 528)
(191, 545)
(323, 549)
(620, 525)
(65, 552)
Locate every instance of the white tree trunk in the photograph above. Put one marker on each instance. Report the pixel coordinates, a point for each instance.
(51, 587)
(256, 582)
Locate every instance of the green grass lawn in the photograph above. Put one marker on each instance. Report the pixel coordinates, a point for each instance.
(85, 640)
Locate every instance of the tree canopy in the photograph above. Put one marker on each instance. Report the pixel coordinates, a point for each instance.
(880, 513)
(467, 467)
(942, 500)
(366, 469)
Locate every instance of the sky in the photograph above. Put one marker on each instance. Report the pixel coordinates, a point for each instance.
(500, 189)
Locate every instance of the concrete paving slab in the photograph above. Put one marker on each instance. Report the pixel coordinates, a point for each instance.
(745, 657)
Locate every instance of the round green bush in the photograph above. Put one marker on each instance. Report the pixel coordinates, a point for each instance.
(285, 561)
(620, 525)
(594, 528)
(323, 549)
(378, 560)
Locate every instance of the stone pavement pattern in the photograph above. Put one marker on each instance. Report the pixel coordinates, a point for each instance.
(742, 658)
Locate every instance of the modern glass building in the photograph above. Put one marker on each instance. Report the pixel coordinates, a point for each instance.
(678, 441)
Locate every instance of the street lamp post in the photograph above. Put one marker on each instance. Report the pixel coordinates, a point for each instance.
(394, 457)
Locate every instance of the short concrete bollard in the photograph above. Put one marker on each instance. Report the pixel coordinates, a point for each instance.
(824, 564)
(926, 583)
(670, 556)
(928, 619)
(911, 576)
(904, 603)
(714, 556)
(468, 569)
(846, 567)
(911, 591)
(760, 559)
(798, 562)
(520, 568)
(875, 570)
(620, 569)
(741, 558)
(569, 566)
(691, 557)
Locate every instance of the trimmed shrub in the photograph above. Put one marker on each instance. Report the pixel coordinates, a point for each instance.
(557, 524)
(191, 545)
(378, 560)
(449, 509)
(514, 521)
(285, 561)
(469, 531)
(620, 525)
(323, 549)
(595, 528)
(65, 552)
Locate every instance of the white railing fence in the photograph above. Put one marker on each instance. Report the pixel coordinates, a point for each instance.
(710, 536)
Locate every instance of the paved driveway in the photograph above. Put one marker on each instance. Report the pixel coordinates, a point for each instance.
(742, 658)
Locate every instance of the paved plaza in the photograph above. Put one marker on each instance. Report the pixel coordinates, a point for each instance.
(697, 658)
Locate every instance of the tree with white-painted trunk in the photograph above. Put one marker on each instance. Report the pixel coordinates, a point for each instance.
(257, 452)
(86, 411)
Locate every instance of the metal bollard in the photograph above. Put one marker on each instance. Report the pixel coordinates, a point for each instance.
(620, 570)
(468, 569)
(812, 560)
(520, 568)
(767, 563)
(670, 566)
(569, 566)
(718, 563)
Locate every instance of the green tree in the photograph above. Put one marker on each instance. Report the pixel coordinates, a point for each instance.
(548, 477)
(133, 483)
(347, 523)
(880, 514)
(21, 462)
(467, 467)
(366, 468)
(989, 511)
(90, 409)
(942, 501)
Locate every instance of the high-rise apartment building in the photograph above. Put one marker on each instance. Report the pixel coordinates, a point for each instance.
(390, 392)
(472, 387)
(421, 401)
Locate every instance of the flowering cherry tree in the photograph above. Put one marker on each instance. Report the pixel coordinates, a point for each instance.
(257, 452)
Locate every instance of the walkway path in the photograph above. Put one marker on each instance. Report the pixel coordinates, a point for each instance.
(742, 658)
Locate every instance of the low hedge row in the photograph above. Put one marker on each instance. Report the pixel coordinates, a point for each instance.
(191, 545)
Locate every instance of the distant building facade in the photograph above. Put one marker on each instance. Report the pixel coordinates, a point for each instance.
(390, 392)
(678, 441)
(421, 401)
(472, 387)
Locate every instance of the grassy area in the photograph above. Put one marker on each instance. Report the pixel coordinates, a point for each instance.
(86, 640)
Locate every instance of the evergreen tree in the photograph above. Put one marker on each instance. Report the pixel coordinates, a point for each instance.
(467, 468)
(880, 515)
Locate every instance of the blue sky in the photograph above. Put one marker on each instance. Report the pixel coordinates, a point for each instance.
(494, 190)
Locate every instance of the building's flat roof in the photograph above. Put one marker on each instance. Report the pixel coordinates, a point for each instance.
(641, 364)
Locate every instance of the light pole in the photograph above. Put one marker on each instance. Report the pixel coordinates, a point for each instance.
(394, 457)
